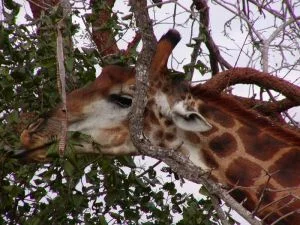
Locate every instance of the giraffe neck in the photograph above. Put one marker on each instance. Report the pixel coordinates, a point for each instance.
(256, 158)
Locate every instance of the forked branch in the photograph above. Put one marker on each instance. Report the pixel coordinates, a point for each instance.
(103, 33)
(214, 52)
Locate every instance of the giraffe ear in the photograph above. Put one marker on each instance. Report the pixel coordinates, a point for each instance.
(189, 120)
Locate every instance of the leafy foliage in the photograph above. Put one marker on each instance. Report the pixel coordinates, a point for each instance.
(75, 189)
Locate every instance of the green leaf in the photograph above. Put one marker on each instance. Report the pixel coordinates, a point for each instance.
(69, 168)
(77, 200)
(127, 161)
(10, 4)
(69, 62)
(115, 215)
(19, 74)
(170, 187)
(204, 191)
(102, 220)
(52, 150)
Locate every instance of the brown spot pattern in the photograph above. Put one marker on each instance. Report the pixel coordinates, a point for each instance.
(273, 217)
(215, 114)
(170, 137)
(157, 85)
(268, 196)
(242, 172)
(242, 196)
(150, 103)
(287, 205)
(151, 117)
(162, 145)
(258, 143)
(223, 145)
(165, 89)
(192, 137)
(158, 135)
(210, 132)
(287, 169)
(147, 127)
(168, 123)
(209, 159)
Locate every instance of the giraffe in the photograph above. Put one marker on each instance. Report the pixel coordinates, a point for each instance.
(257, 160)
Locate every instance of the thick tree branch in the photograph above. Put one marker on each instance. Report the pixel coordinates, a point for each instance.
(142, 70)
(102, 32)
(185, 168)
(251, 76)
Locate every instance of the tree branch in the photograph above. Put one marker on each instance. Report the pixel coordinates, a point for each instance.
(61, 79)
(102, 32)
(176, 160)
(291, 11)
(142, 70)
(219, 210)
(61, 83)
(37, 6)
(251, 76)
(264, 6)
(133, 44)
(266, 108)
(215, 56)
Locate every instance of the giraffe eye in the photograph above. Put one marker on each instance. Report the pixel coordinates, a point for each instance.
(123, 101)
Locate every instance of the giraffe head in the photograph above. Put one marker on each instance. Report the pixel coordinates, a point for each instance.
(244, 151)
(101, 110)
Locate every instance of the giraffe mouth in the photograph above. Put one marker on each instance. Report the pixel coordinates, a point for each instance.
(31, 155)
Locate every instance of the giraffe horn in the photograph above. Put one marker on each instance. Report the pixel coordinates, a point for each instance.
(164, 49)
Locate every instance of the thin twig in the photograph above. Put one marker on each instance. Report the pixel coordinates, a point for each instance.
(151, 167)
(284, 216)
(262, 195)
(219, 210)
(62, 88)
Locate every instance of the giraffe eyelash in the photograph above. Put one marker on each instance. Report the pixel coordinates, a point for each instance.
(123, 101)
